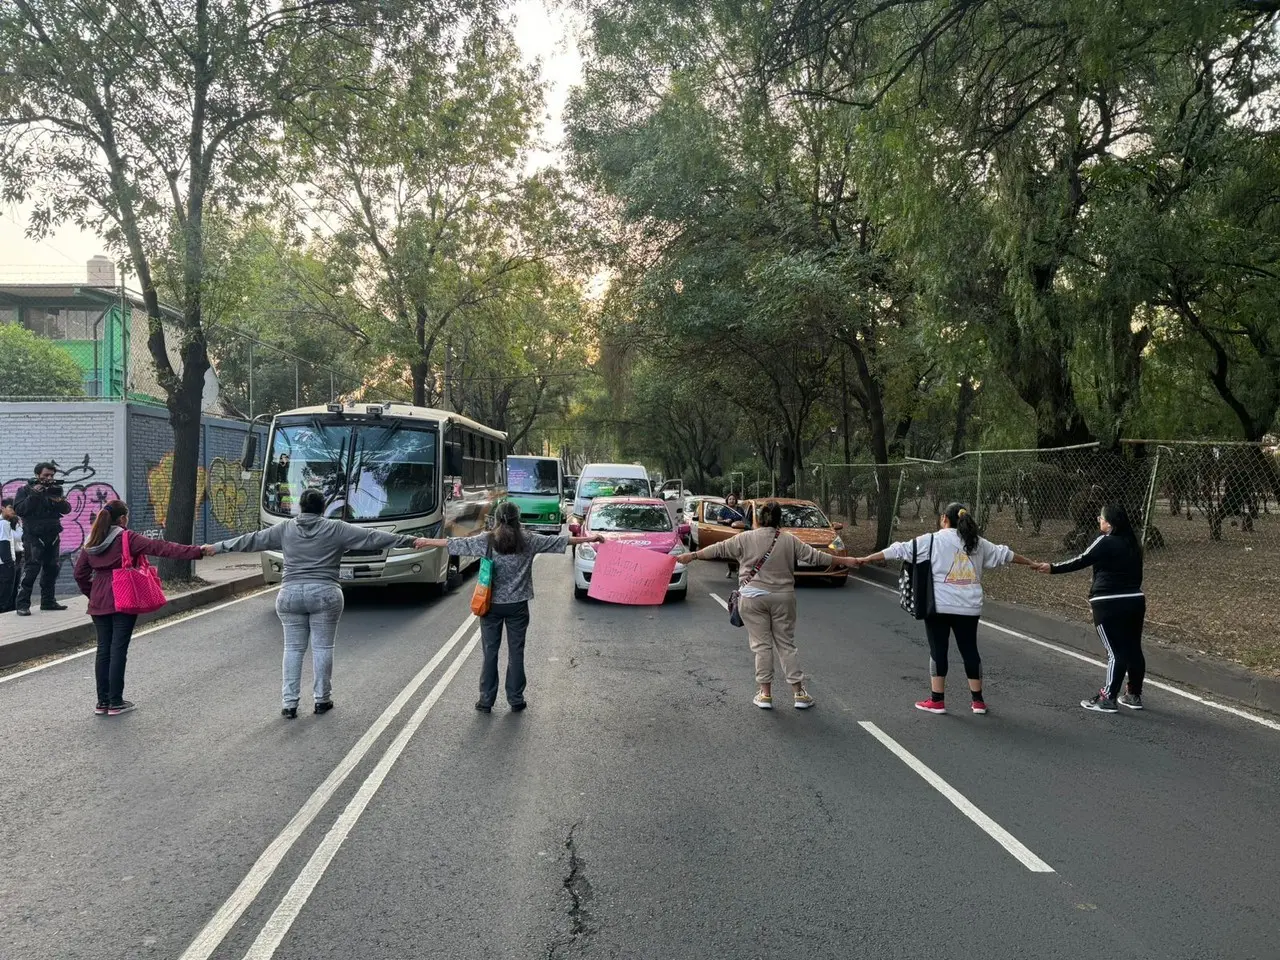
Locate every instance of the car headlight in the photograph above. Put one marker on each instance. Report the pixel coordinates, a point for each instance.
(837, 544)
(678, 550)
(586, 551)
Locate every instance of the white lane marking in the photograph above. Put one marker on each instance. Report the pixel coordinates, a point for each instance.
(960, 802)
(720, 600)
(142, 633)
(269, 939)
(230, 912)
(1169, 688)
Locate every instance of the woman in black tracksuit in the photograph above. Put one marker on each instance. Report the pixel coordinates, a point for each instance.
(1119, 606)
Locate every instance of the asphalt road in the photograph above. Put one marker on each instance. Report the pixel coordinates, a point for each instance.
(641, 807)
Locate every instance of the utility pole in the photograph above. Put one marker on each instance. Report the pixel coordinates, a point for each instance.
(448, 375)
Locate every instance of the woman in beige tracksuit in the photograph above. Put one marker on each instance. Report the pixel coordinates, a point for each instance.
(767, 600)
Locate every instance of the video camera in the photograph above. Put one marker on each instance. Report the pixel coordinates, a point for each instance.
(51, 488)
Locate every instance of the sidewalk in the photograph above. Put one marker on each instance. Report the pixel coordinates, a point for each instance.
(43, 633)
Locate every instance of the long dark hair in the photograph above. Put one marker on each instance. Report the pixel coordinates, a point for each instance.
(507, 535)
(962, 522)
(1121, 525)
(106, 518)
(770, 515)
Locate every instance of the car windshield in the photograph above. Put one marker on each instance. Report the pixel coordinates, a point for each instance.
(800, 515)
(614, 487)
(630, 518)
(366, 471)
(529, 475)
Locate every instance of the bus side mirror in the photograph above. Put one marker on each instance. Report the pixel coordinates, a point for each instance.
(249, 452)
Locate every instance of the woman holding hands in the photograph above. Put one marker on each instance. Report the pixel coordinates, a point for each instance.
(960, 555)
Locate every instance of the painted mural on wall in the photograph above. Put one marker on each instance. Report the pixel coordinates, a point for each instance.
(233, 500)
(159, 487)
(85, 494)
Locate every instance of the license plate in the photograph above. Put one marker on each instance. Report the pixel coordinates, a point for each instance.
(346, 573)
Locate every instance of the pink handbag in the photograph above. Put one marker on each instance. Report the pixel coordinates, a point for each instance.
(136, 588)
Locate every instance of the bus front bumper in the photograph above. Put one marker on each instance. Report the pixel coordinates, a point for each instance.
(419, 566)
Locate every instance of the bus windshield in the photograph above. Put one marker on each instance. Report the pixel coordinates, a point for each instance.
(366, 470)
(530, 475)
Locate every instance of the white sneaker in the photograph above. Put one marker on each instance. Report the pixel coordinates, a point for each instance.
(763, 701)
(803, 700)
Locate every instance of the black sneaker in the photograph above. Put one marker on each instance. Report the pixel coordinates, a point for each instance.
(53, 607)
(289, 713)
(484, 707)
(1131, 700)
(519, 705)
(1101, 703)
(101, 709)
(24, 611)
(124, 706)
(324, 706)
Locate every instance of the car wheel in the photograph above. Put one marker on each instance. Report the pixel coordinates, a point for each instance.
(579, 593)
(838, 582)
(678, 596)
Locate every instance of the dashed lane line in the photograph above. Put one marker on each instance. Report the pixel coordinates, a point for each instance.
(1169, 688)
(998, 833)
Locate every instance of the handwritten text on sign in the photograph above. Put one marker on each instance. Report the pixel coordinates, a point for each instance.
(625, 574)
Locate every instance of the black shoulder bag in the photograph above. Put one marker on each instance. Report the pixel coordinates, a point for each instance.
(735, 617)
(915, 584)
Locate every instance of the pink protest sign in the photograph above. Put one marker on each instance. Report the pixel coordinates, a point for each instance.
(632, 575)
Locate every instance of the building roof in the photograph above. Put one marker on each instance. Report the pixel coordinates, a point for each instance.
(75, 297)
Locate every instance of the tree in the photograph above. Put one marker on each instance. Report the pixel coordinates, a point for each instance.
(33, 367)
(136, 118)
(426, 179)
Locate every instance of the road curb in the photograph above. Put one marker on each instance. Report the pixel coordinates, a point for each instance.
(56, 641)
(1168, 661)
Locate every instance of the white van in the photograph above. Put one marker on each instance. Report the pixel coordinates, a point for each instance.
(609, 480)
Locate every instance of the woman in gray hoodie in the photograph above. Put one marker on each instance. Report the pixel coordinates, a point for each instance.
(310, 604)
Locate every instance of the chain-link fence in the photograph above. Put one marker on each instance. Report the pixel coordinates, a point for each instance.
(1209, 515)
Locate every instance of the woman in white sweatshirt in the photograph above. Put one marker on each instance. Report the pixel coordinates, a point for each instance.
(959, 557)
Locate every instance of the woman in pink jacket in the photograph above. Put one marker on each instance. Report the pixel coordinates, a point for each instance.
(103, 552)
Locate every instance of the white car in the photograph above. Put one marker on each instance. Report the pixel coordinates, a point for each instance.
(643, 523)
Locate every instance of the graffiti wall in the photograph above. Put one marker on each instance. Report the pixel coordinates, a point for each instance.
(105, 451)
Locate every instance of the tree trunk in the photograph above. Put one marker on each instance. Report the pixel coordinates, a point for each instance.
(964, 406)
(184, 417)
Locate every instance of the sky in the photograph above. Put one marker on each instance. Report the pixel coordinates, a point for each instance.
(545, 32)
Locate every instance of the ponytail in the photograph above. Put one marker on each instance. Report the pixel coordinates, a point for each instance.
(106, 518)
(1121, 525)
(962, 522)
(507, 535)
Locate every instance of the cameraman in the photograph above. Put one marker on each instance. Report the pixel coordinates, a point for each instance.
(41, 505)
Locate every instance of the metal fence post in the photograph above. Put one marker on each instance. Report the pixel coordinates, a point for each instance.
(897, 498)
(1150, 502)
(977, 499)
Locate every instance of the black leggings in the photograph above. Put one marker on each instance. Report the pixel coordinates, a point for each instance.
(938, 628)
(1119, 627)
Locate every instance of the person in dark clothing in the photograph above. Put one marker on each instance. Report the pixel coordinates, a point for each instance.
(102, 555)
(1119, 606)
(41, 505)
(511, 550)
(9, 571)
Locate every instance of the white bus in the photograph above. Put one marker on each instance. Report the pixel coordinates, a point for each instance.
(388, 466)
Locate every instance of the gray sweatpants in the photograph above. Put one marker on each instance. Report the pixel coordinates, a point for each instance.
(309, 613)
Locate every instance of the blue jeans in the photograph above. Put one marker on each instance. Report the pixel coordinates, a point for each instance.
(309, 613)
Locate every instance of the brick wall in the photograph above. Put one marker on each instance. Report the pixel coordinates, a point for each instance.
(87, 443)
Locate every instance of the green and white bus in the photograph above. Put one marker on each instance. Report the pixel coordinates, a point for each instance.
(536, 485)
(388, 466)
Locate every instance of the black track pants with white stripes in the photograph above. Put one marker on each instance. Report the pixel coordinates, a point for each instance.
(1119, 625)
